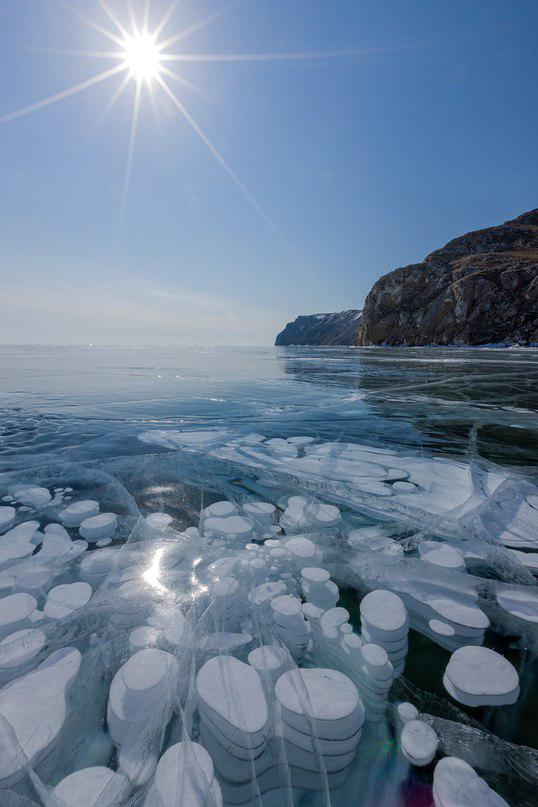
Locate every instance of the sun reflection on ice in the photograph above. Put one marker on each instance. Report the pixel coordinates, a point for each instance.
(153, 572)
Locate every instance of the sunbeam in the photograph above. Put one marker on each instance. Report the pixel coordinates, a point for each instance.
(112, 17)
(92, 24)
(60, 96)
(118, 92)
(143, 55)
(197, 26)
(130, 153)
(166, 18)
(220, 159)
(257, 57)
(185, 83)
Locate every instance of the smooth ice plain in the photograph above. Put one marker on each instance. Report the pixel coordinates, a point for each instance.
(293, 576)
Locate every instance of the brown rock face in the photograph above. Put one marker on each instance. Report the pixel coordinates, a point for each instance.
(479, 289)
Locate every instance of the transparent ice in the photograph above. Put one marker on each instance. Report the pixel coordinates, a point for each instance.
(264, 577)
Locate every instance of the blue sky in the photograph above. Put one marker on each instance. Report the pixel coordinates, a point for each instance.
(364, 162)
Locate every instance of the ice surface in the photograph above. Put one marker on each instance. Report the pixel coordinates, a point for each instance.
(261, 552)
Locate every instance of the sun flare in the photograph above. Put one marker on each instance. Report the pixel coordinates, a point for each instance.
(142, 57)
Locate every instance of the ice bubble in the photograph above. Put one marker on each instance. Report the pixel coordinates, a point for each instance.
(520, 602)
(302, 551)
(76, 513)
(270, 660)
(441, 554)
(223, 509)
(7, 515)
(332, 620)
(31, 495)
(243, 715)
(406, 712)
(93, 787)
(418, 742)
(327, 697)
(98, 528)
(159, 520)
(456, 784)
(16, 611)
(64, 599)
(385, 612)
(223, 642)
(262, 514)
(404, 487)
(20, 647)
(35, 706)
(140, 704)
(185, 777)
(477, 676)
(17, 543)
(300, 442)
(232, 526)
(304, 514)
(95, 566)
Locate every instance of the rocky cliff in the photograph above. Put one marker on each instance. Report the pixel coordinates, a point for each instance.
(480, 288)
(322, 329)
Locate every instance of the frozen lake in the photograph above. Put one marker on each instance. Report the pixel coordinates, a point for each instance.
(408, 471)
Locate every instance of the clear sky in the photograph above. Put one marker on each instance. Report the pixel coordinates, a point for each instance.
(422, 128)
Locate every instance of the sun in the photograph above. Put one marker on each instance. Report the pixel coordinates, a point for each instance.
(142, 56)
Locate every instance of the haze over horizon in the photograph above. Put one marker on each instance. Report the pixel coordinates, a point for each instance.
(414, 127)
